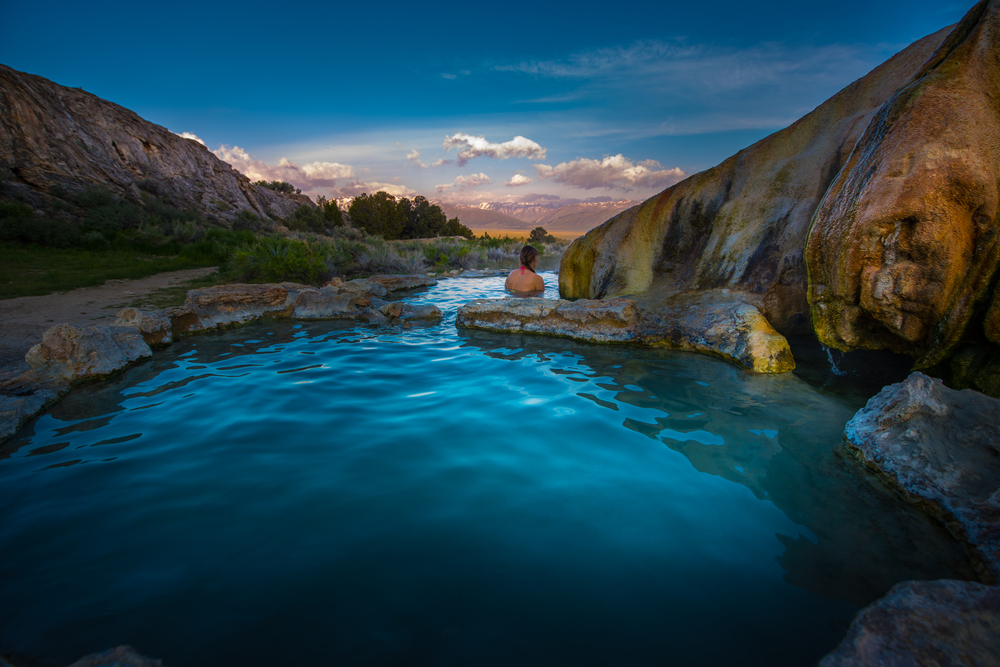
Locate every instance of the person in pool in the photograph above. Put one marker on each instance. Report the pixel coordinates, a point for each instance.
(524, 281)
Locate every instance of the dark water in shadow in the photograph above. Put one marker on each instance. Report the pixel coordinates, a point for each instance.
(323, 493)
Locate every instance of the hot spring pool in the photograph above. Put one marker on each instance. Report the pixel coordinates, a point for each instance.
(327, 493)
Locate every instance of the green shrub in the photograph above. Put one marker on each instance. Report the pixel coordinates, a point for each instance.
(245, 220)
(19, 223)
(271, 260)
(307, 218)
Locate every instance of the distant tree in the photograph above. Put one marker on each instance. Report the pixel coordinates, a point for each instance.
(307, 218)
(456, 228)
(331, 211)
(423, 219)
(378, 214)
(539, 235)
(279, 186)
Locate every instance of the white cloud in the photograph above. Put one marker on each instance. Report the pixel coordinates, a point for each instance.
(471, 147)
(616, 172)
(192, 136)
(465, 182)
(438, 163)
(414, 158)
(355, 188)
(518, 179)
(307, 177)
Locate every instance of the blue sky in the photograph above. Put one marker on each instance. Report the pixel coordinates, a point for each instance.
(513, 101)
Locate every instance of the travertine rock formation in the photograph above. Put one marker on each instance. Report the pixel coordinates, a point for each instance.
(228, 305)
(51, 135)
(716, 323)
(887, 192)
(924, 624)
(904, 247)
(940, 448)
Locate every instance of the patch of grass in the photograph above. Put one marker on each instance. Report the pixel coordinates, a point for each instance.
(28, 269)
(166, 297)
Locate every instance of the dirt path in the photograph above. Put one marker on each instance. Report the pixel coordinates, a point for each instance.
(23, 320)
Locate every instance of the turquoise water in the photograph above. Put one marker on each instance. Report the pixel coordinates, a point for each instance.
(325, 493)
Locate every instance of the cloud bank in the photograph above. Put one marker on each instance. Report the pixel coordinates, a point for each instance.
(355, 188)
(465, 182)
(307, 177)
(470, 147)
(615, 172)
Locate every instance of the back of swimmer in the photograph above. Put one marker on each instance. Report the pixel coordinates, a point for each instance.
(524, 279)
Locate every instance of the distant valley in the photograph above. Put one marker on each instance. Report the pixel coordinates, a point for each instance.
(554, 217)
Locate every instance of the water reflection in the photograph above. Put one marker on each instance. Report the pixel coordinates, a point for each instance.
(781, 438)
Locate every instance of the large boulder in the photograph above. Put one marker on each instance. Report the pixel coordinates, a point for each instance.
(872, 220)
(904, 247)
(80, 353)
(924, 624)
(741, 225)
(940, 448)
(65, 137)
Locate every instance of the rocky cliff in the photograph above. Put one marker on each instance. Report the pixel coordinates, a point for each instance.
(51, 135)
(872, 220)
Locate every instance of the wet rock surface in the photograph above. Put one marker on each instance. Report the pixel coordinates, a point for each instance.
(718, 323)
(925, 623)
(940, 448)
(23, 397)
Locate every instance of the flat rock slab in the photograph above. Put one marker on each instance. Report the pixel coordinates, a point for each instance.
(940, 448)
(925, 623)
(717, 323)
(604, 321)
(229, 305)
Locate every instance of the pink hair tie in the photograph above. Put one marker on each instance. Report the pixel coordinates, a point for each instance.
(522, 270)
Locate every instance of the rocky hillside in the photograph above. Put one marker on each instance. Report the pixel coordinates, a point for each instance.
(872, 220)
(51, 135)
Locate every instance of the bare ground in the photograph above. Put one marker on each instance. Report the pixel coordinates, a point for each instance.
(23, 320)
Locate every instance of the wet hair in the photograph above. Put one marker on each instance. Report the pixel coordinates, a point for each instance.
(528, 255)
